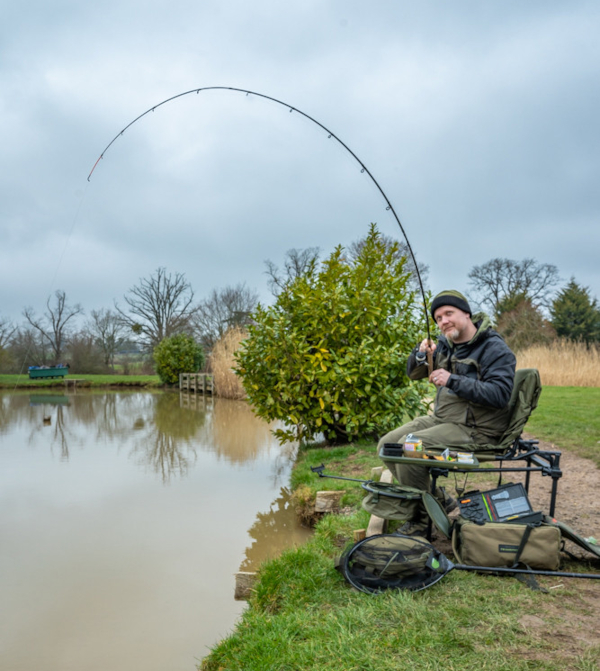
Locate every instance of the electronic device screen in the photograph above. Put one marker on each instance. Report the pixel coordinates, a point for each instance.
(496, 505)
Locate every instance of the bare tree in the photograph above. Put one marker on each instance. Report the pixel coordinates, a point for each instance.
(85, 355)
(296, 263)
(158, 307)
(501, 281)
(109, 333)
(223, 309)
(29, 348)
(7, 330)
(56, 324)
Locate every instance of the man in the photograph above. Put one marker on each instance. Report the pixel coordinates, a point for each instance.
(473, 371)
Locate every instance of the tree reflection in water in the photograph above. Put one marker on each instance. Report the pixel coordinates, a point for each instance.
(273, 532)
(53, 420)
(166, 429)
(235, 432)
(104, 553)
(168, 445)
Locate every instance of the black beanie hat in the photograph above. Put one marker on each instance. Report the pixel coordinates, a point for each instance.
(454, 298)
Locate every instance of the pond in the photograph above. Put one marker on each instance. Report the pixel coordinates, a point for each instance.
(124, 517)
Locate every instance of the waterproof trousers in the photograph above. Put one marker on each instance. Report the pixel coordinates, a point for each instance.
(434, 434)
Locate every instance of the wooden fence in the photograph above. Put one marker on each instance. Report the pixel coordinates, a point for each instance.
(199, 383)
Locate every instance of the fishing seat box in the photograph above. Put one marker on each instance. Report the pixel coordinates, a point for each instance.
(497, 543)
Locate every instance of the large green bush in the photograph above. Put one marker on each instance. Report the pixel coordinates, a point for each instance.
(177, 354)
(330, 355)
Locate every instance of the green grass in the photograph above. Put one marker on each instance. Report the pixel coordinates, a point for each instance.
(304, 616)
(569, 417)
(20, 381)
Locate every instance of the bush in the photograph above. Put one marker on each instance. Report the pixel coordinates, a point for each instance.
(175, 355)
(329, 357)
(84, 356)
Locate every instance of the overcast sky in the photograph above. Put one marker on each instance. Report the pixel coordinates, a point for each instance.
(478, 119)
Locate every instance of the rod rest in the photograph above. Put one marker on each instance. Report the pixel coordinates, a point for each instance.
(548, 461)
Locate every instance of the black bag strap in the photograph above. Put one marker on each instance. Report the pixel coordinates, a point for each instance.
(522, 544)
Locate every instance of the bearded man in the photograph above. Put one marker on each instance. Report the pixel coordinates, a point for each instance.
(473, 372)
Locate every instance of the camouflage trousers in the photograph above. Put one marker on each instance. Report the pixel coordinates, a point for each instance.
(434, 434)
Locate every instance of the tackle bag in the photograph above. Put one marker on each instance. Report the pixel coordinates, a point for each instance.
(386, 500)
(498, 544)
(506, 544)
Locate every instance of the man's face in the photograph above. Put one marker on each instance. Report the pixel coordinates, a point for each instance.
(453, 323)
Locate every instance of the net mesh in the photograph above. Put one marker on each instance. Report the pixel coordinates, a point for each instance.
(392, 561)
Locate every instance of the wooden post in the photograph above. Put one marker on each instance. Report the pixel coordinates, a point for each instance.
(328, 502)
(244, 584)
(376, 472)
(359, 534)
(377, 525)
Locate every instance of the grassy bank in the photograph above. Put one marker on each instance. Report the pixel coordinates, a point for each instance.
(303, 615)
(23, 381)
(570, 418)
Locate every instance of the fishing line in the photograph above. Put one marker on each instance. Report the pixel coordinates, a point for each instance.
(330, 135)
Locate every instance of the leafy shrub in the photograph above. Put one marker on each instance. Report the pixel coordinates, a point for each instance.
(177, 354)
(330, 356)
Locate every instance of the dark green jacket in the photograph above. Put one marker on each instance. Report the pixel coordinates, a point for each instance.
(481, 381)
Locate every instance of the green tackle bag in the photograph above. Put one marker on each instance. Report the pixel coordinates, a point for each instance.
(386, 500)
(498, 544)
(506, 544)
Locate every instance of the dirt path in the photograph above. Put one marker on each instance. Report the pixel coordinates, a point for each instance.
(569, 625)
(578, 499)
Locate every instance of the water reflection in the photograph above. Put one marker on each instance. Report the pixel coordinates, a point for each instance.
(170, 427)
(167, 443)
(48, 399)
(123, 524)
(273, 532)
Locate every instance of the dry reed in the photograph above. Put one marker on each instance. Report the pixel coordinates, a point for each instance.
(563, 363)
(221, 362)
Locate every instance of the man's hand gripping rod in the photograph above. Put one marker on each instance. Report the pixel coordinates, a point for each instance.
(429, 355)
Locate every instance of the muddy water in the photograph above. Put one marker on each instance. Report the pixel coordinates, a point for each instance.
(123, 518)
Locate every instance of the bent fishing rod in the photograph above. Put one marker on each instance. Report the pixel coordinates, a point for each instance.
(330, 135)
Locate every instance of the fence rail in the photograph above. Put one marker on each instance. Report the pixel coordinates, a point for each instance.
(199, 383)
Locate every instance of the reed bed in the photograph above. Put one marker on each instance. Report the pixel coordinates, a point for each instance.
(563, 363)
(221, 363)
